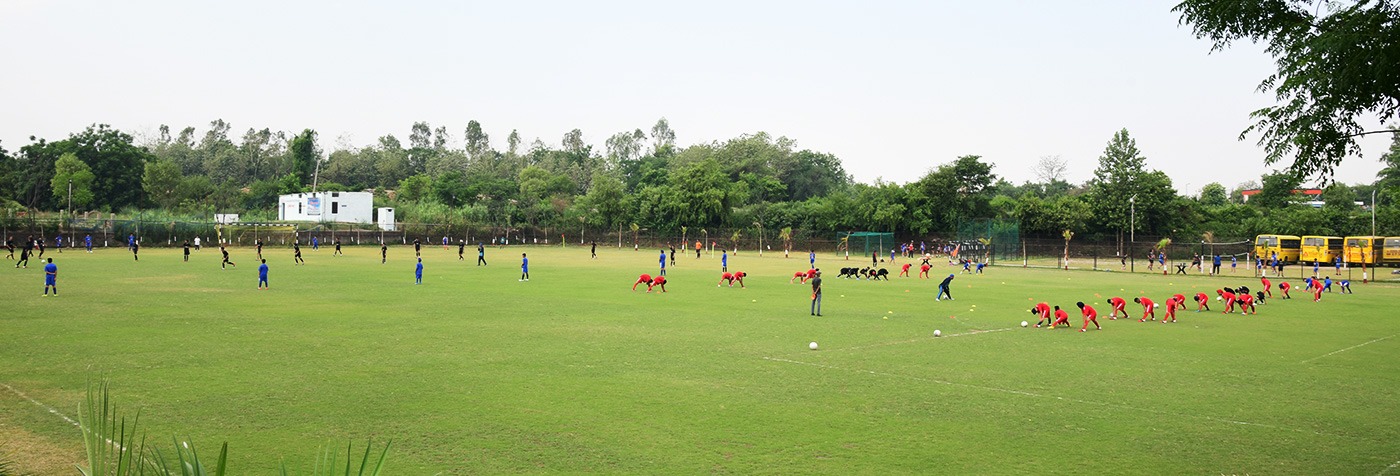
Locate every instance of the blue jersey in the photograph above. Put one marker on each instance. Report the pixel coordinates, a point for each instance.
(663, 259)
(525, 264)
(418, 271)
(87, 239)
(1217, 260)
(724, 258)
(262, 271)
(812, 257)
(50, 272)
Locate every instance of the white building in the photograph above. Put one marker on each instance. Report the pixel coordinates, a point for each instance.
(386, 219)
(339, 207)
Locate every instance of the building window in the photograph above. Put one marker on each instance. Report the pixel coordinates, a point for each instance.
(335, 194)
(335, 207)
(299, 207)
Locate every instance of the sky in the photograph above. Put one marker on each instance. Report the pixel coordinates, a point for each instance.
(892, 88)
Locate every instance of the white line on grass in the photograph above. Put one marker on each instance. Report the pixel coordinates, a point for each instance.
(41, 405)
(920, 339)
(1066, 399)
(1388, 468)
(1329, 354)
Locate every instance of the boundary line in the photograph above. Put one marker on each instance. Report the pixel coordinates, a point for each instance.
(1056, 397)
(1388, 468)
(1329, 354)
(41, 405)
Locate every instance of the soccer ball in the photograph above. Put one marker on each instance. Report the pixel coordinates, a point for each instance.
(1219, 298)
(937, 333)
(1024, 323)
(812, 346)
(1156, 305)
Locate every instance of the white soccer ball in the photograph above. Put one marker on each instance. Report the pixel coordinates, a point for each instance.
(937, 333)
(1156, 305)
(1219, 298)
(812, 346)
(1024, 323)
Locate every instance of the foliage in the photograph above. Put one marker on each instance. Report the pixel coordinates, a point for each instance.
(1335, 66)
(68, 170)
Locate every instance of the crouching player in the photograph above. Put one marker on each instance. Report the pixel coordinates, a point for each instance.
(1119, 305)
(731, 278)
(1148, 308)
(1345, 286)
(1283, 287)
(659, 282)
(1042, 310)
(1090, 315)
(1180, 300)
(923, 270)
(644, 279)
(1171, 309)
(1247, 304)
(1061, 317)
(1227, 295)
(904, 270)
(1203, 302)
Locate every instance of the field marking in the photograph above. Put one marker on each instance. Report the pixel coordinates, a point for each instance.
(1329, 354)
(919, 339)
(1056, 397)
(41, 405)
(1388, 468)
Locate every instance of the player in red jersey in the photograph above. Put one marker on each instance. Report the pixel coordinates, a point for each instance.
(1228, 295)
(739, 278)
(1283, 288)
(1043, 310)
(726, 277)
(1119, 305)
(643, 279)
(904, 270)
(1180, 300)
(659, 282)
(1202, 302)
(1148, 309)
(1090, 315)
(923, 270)
(1317, 290)
(1061, 317)
(1171, 309)
(1246, 303)
(1267, 285)
(798, 275)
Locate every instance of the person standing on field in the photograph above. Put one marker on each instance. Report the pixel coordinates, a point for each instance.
(480, 254)
(296, 253)
(418, 273)
(226, 263)
(383, 252)
(812, 259)
(337, 248)
(663, 263)
(594, 251)
(724, 261)
(817, 295)
(1215, 265)
(135, 251)
(698, 247)
(673, 255)
(524, 267)
(187, 251)
(461, 250)
(262, 276)
(50, 278)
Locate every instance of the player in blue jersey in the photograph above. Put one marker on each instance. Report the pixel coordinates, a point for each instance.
(663, 263)
(262, 276)
(524, 267)
(50, 278)
(418, 272)
(723, 261)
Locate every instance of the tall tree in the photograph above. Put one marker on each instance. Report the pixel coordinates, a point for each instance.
(161, 181)
(1050, 169)
(478, 143)
(1115, 181)
(1213, 195)
(513, 143)
(662, 136)
(116, 161)
(420, 136)
(68, 170)
(1335, 67)
(304, 154)
(1388, 178)
(1276, 191)
(573, 141)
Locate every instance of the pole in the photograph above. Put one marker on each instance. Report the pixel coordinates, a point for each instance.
(1132, 225)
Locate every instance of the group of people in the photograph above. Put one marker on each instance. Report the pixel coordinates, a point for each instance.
(34, 247)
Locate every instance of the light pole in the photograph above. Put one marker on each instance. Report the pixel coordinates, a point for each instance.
(1373, 210)
(1132, 225)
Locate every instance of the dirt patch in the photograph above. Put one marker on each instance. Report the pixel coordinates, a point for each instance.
(35, 454)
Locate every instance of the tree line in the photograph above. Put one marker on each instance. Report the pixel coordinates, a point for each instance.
(644, 180)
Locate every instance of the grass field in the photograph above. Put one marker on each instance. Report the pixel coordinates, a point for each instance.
(475, 372)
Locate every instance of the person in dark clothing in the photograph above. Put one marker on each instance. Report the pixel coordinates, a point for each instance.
(943, 289)
(817, 294)
(595, 251)
(461, 250)
(480, 254)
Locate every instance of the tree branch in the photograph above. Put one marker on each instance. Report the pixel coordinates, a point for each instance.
(1382, 131)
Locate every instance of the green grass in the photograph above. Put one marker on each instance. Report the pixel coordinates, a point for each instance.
(474, 372)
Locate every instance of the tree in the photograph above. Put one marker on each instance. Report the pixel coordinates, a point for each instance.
(1115, 180)
(1051, 169)
(662, 137)
(1339, 198)
(305, 154)
(416, 187)
(1276, 191)
(1213, 195)
(420, 136)
(478, 143)
(116, 162)
(1388, 178)
(161, 180)
(1335, 66)
(67, 168)
(573, 141)
(513, 143)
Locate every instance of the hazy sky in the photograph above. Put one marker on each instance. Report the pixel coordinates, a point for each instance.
(892, 88)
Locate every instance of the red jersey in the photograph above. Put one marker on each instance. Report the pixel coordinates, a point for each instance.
(925, 268)
(1229, 296)
(1089, 312)
(1284, 285)
(645, 278)
(1179, 298)
(906, 267)
(740, 275)
(660, 280)
(1246, 300)
(1147, 303)
(1202, 297)
(1117, 302)
(811, 273)
(1266, 283)
(1061, 314)
(1043, 309)
(728, 276)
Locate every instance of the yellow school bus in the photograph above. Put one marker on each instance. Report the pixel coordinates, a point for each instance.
(1287, 247)
(1362, 249)
(1322, 249)
(1390, 253)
